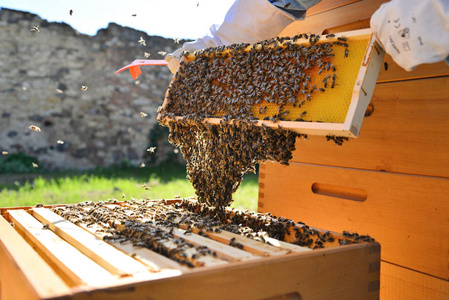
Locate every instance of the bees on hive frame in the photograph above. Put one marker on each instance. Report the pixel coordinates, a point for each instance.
(227, 82)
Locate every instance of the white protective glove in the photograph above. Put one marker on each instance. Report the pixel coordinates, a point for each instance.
(247, 21)
(413, 32)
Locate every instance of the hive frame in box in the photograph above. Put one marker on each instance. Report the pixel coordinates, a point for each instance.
(30, 270)
(361, 96)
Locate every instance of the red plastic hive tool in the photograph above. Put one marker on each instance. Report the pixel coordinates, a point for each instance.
(134, 66)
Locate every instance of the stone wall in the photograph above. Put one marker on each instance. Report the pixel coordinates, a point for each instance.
(40, 84)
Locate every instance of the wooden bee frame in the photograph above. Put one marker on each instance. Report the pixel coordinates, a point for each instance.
(361, 95)
(41, 255)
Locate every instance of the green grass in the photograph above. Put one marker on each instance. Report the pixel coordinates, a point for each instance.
(165, 181)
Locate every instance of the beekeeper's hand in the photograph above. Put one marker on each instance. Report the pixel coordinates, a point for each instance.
(247, 21)
(413, 32)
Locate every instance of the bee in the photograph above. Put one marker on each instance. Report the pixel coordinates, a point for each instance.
(325, 80)
(4, 152)
(151, 149)
(60, 142)
(287, 5)
(346, 52)
(142, 165)
(45, 226)
(137, 82)
(59, 91)
(176, 41)
(24, 88)
(35, 128)
(143, 115)
(330, 35)
(35, 29)
(84, 88)
(342, 38)
(39, 205)
(162, 53)
(385, 66)
(134, 15)
(123, 195)
(334, 77)
(142, 42)
(159, 109)
(146, 54)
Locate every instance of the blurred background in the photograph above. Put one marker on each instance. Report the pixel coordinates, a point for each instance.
(58, 62)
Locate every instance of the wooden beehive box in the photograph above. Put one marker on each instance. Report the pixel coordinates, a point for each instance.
(44, 256)
(393, 181)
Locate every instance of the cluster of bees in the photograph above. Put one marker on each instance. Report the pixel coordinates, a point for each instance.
(228, 82)
(218, 156)
(165, 228)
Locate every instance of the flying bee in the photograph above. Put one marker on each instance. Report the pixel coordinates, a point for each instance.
(71, 12)
(143, 115)
(35, 29)
(59, 91)
(35, 128)
(151, 149)
(146, 54)
(142, 165)
(84, 88)
(142, 42)
(176, 41)
(34, 165)
(60, 142)
(162, 53)
(134, 15)
(4, 152)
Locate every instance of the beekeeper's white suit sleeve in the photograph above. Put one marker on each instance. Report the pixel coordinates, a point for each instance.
(413, 32)
(247, 21)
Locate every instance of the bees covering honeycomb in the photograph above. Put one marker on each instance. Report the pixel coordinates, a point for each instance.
(282, 79)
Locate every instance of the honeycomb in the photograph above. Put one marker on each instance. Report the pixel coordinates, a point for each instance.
(332, 105)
